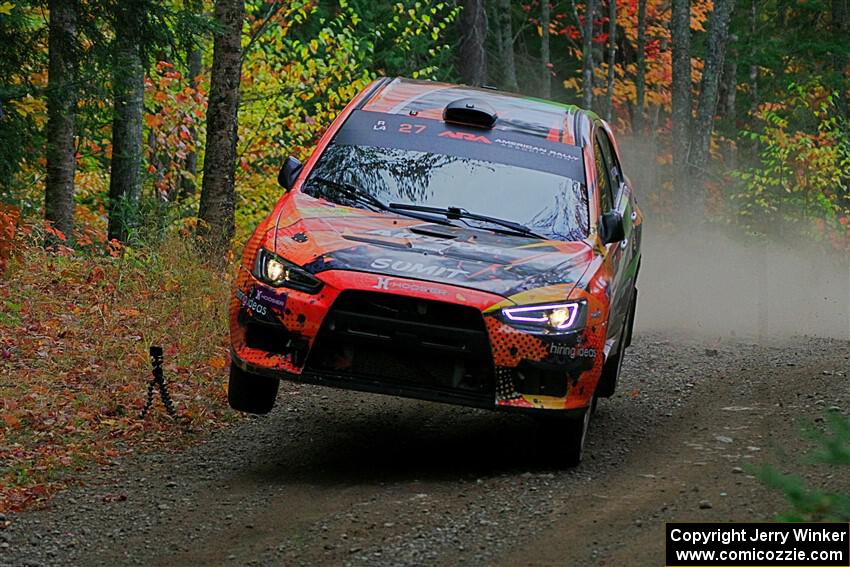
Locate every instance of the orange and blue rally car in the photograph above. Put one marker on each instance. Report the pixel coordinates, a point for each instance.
(451, 244)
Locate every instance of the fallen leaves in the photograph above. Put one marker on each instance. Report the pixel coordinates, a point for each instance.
(11, 421)
(74, 335)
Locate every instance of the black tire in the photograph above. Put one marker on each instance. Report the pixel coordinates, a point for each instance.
(564, 438)
(610, 376)
(575, 434)
(251, 393)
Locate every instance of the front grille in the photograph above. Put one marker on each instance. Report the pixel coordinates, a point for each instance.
(403, 340)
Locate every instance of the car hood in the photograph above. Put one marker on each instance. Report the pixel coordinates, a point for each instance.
(322, 236)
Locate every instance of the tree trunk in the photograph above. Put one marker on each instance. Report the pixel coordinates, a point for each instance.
(125, 182)
(545, 57)
(587, 55)
(61, 123)
(473, 48)
(730, 88)
(158, 162)
(495, 71)
(680, 28)
(707, 106)
(640, 80)
(215, 216)
(754, 75)
(612, 56)
(190, 166)
(840, 33)
(509, 81)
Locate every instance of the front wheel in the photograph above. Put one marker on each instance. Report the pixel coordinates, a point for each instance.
(251, 393)
(565, 437)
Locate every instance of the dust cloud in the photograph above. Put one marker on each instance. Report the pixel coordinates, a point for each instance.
(711, 283)
(720, 283)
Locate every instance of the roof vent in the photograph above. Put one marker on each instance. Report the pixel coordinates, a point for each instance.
(470, 112)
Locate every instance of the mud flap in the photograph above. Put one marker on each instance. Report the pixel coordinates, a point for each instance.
(631, 323)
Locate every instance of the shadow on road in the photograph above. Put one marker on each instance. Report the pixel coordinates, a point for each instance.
(402, 440)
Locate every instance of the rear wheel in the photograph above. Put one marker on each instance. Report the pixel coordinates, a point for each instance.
(251, 393)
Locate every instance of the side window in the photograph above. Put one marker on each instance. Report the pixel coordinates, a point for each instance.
(611, 159)
(603, 178)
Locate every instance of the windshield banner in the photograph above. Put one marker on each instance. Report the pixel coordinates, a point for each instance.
(365, 128)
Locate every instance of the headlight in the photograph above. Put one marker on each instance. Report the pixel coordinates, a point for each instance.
(274, 270)
(556, 317)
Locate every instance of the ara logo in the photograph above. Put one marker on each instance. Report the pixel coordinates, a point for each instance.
(466, 136)
(416, 268)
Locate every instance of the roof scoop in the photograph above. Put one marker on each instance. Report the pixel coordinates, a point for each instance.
(470, 112)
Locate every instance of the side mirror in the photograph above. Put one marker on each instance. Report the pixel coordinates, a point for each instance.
(289, 172)
(612, 227)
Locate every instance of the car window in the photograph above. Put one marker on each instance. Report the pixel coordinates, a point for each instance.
(603, 179)
(550, 204)
(611, 160)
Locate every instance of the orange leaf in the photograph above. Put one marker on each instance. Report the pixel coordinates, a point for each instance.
(12, 421)
(153, 120)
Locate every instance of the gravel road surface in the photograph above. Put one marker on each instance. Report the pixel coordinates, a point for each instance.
(342, 478)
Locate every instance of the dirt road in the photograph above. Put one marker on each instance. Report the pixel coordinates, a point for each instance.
(340, 478)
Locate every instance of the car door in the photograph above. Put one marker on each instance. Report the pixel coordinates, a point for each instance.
(615, 195)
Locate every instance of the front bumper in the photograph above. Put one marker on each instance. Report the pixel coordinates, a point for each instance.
(280, 333)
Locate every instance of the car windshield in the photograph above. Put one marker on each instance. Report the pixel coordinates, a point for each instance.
(551, 205)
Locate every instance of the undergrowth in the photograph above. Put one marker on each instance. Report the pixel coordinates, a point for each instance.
(810, 503)
(75, 329)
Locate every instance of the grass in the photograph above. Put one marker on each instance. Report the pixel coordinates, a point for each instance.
(75, 329)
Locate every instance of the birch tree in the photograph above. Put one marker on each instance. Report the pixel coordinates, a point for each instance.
(128, 91)
(587, 55)
(680, 28)
(61, 108)
(218, 194)
(545, 57)
(612, 57)
(508, 63)
(709, 87)
(640, 79)
(472, 63)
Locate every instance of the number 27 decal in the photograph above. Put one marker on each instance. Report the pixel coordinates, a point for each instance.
(411, 128)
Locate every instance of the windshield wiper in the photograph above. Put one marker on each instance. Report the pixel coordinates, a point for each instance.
(352, 193)
(359, 196)
(458, 213)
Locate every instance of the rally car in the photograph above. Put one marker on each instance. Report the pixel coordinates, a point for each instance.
(451, 244)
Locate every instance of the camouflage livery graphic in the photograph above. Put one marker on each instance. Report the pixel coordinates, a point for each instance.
(438, 307)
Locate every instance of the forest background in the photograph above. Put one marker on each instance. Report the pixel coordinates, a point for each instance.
(140, 142)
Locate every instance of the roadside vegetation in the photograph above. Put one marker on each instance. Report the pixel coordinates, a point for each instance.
(140, 141)
(75, 329)
(812, 504)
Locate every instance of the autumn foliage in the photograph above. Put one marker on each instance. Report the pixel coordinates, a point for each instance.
(74, 336)
(77, 316)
